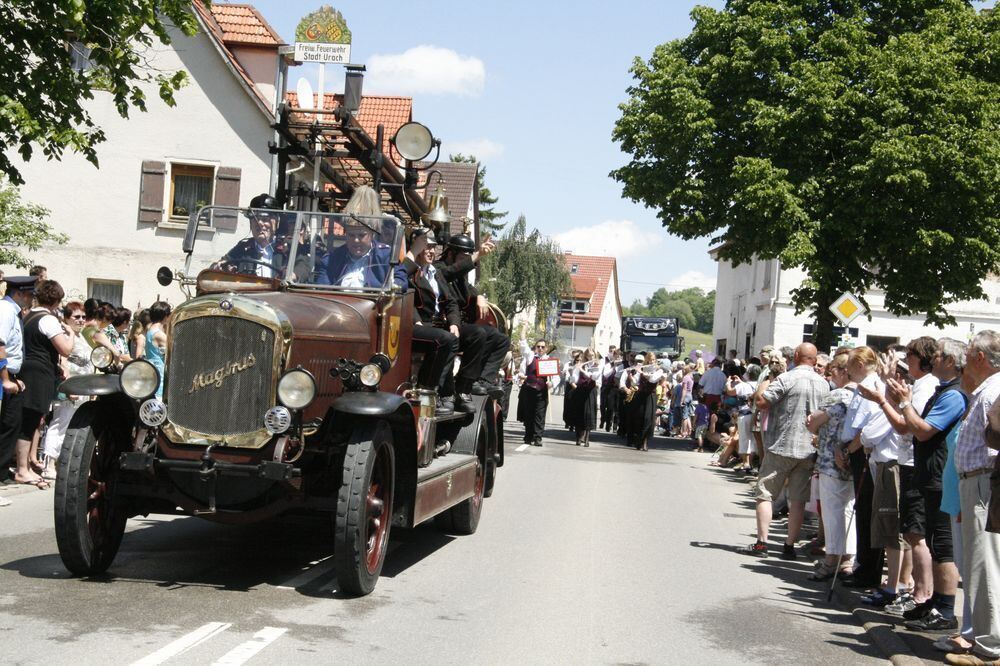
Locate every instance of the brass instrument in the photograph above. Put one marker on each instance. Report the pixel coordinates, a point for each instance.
(590, 366)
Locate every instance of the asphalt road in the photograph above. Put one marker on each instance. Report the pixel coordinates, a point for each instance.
(599, 555)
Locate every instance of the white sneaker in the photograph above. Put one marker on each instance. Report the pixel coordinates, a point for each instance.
(4, 501)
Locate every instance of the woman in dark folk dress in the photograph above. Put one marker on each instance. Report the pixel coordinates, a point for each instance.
(586, 378)
(569, 386)
(45, 340)
(642, 412)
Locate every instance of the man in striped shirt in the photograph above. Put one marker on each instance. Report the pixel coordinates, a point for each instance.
(974, 461)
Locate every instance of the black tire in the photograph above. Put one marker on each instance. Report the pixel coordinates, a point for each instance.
(364, 509)
(463, 518)
(89, 522)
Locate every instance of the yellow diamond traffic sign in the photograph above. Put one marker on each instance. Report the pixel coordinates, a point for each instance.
(847, 308)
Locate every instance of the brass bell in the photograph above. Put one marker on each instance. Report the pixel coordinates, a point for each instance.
(437, 216)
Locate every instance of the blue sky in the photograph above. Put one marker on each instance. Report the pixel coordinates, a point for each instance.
(533, 89)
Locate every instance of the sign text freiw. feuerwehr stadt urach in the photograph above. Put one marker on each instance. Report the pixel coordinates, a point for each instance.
(323, 37)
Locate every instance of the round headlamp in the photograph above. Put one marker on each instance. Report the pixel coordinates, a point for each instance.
(101, 357)
(370, 375)
(139, 379)
(153, 412)
(296, 389)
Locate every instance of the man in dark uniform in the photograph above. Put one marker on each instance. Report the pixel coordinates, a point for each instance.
(436, 320)
(533, 399)
(259, 255)
(483, 347)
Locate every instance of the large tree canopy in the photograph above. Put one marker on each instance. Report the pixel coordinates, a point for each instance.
(44, 45)
(857, 139)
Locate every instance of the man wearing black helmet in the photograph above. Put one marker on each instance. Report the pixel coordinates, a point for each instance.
(483, 347)
(258, 255)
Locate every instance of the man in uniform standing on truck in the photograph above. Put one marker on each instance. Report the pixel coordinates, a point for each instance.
(483, 347)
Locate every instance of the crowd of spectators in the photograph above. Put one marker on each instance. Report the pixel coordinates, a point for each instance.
(896, 452)
(44, 339)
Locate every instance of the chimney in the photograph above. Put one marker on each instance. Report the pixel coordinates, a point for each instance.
(353, 82)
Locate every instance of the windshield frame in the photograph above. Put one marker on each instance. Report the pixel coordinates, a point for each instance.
(304, 218)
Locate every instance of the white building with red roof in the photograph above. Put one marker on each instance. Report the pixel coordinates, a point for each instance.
(591, 314)
(127, 217)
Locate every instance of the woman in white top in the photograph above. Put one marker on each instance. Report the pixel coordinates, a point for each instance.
(77, 362)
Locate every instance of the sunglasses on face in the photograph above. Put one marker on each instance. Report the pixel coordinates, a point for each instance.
(80, 317)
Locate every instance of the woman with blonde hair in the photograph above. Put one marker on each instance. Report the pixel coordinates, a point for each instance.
(836, 488)
(866, 426)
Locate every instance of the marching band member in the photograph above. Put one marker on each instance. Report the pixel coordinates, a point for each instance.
(640, 383)
(533, 399)
(609, 389)
(586, 377)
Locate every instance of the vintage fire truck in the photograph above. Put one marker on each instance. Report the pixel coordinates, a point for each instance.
(281, 393)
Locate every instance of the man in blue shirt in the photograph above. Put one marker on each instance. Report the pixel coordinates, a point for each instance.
(19, 295)
(361, 262)
(929, 429)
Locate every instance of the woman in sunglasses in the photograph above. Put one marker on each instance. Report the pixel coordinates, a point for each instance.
(76, 363)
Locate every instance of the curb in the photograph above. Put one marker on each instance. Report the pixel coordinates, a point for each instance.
(881, 633)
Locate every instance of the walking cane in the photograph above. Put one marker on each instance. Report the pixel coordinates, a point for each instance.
(840, 558)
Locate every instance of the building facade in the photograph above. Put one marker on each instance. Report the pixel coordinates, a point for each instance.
(127, 217)
(591, 315)
(753, 308)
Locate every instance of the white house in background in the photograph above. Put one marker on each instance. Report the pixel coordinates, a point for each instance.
(127, 217)
(753, 308)
(590, 316)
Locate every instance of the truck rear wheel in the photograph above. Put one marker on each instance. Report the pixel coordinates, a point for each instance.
(364, 509)
(463, 518)
(89, 523)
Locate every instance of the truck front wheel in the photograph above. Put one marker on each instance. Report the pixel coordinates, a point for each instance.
(364, 509)
(89, 521)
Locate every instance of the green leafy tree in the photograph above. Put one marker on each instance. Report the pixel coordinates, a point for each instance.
(43, 91)
(693, 307)
(527, 270)
(856, 139)
(491, 221)
(681, 309)
(22, 227)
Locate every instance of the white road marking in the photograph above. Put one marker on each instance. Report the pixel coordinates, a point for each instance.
(244, 651)
(521, 448)
(310, 574)
(184, 643)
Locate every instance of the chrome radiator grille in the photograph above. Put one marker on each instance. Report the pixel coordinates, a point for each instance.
(220, 375)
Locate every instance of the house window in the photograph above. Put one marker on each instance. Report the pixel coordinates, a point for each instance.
(106, 290)
(768, 266)
(574, 268)
(574, 306)
(190, 188)
(79, 54)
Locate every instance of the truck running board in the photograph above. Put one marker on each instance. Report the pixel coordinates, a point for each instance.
(443, 484)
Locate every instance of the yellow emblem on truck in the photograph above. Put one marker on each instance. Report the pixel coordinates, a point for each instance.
(215, 378)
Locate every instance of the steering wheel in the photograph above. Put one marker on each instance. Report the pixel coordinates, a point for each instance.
(231, 266)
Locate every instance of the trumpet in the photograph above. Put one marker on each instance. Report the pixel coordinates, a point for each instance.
(649, 369)
(590, 366)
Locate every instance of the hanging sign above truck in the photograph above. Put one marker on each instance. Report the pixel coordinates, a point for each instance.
(323, 36)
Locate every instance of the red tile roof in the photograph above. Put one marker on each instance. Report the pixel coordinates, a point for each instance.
(214, 30)
(459, 182)
(392, 112)
(590, 282)
(243, 24)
